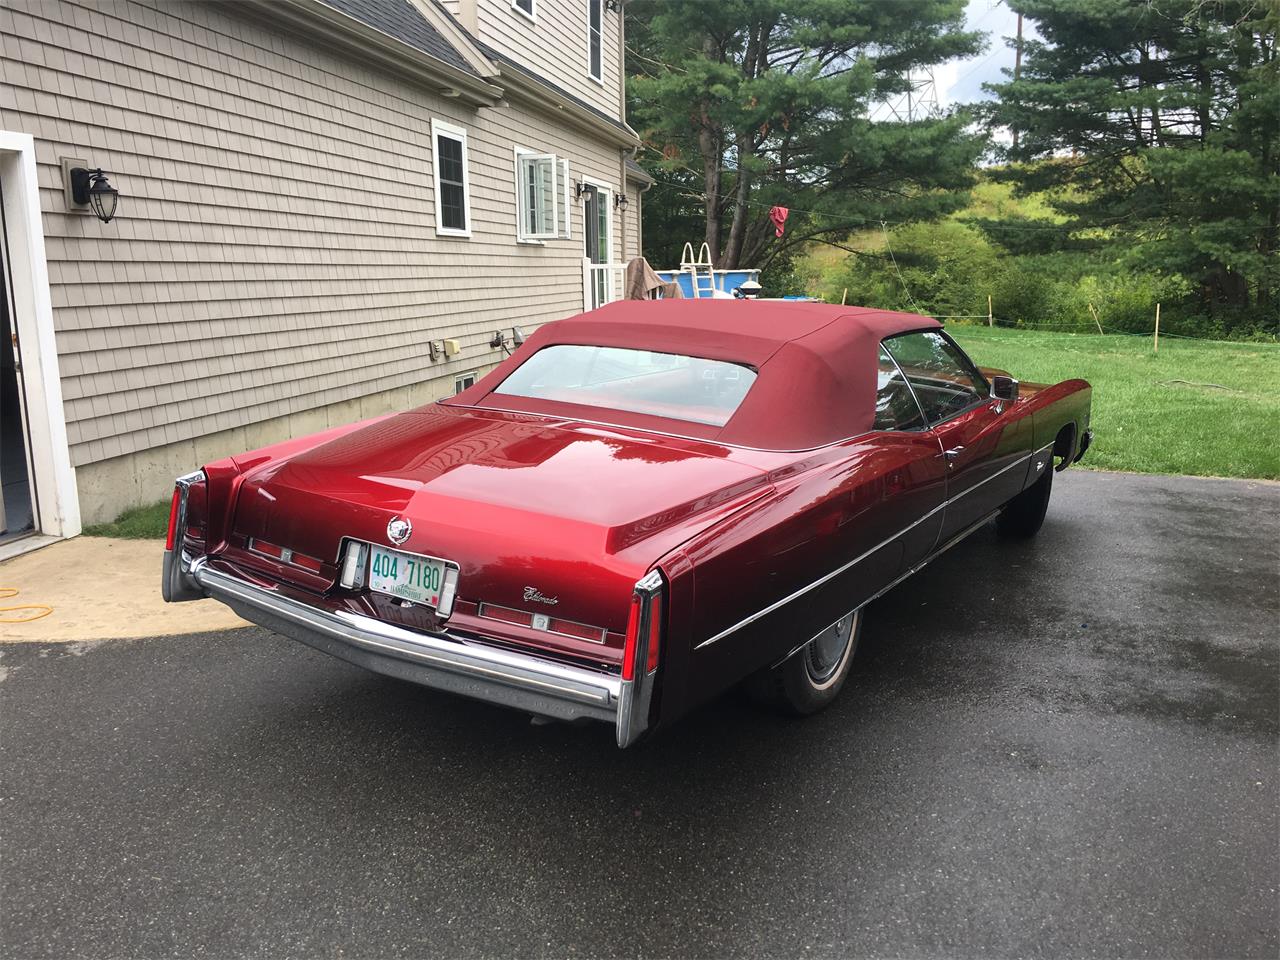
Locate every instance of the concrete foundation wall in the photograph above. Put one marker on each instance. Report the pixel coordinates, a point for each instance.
(109, 487)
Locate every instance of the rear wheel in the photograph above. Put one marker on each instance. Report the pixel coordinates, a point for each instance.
(1023, 516)
(809, 679)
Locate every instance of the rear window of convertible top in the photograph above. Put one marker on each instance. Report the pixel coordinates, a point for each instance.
(634, 381)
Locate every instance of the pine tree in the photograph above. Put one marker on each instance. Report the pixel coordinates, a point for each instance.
(749, 103)
(1156, 127)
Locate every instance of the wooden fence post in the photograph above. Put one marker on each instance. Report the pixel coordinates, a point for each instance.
(844, 296)
(1095, 317)
(1156, 347)
(991, 322)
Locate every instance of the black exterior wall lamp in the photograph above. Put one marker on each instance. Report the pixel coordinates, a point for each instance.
(92, 189)
(620, 202)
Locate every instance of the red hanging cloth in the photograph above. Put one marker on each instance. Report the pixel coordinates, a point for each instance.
(779, 217)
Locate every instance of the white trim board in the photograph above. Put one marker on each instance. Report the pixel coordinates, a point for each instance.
(54, 479)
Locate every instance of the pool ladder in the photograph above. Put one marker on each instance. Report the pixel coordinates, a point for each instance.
(700, 271)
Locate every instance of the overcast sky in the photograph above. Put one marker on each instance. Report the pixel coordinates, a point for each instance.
(961, 81)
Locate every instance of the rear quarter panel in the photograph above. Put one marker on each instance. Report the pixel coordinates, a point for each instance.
(1056, 406)
(825, 510)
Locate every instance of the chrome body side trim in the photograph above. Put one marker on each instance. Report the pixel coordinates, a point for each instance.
(1020, 462)
(973, 528)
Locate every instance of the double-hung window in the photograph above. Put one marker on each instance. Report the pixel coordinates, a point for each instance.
(453, 188)
(595, 47)
(542, 196)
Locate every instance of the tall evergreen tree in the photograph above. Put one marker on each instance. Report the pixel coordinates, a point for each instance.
(745, 104)
(1157, 128)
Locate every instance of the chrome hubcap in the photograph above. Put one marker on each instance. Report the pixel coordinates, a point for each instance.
(825, 652)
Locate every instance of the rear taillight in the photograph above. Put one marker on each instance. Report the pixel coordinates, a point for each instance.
(542, 622)
(174, 505)
(646, 616)
(655, 632)
(285, 555)
(633, 637)
(522, 618)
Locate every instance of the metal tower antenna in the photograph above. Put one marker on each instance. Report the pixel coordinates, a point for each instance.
(920, 99)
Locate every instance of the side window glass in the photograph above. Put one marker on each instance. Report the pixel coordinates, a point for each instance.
(896, 408)
(944, 380)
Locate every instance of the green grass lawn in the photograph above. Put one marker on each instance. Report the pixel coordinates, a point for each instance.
(1198, 407)
(140, 523)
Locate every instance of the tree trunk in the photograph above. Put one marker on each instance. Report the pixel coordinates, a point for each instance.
(1203, 81)
(737, 230)
(710, 143)
(711, 187)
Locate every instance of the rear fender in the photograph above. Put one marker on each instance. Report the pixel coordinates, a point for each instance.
(672, 691)
(1060, 417)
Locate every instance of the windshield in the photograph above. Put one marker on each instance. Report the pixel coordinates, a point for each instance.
(636, 381)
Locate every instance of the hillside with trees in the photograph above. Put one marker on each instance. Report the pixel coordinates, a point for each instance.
(1144, 165)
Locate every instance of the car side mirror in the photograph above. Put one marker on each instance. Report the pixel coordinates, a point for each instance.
(1004, 388)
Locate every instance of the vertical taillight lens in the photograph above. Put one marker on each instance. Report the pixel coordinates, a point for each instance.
(653, 631)
(629, 645)
(172, 536)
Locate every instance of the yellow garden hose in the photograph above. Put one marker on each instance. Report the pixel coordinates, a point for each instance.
(41, 609)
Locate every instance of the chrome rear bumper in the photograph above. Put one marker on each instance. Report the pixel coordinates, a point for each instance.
(447, 660)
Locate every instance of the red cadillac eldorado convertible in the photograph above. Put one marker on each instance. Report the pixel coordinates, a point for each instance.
(643, 506)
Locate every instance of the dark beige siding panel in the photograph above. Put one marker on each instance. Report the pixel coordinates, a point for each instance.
(275, 247)
(554, 45)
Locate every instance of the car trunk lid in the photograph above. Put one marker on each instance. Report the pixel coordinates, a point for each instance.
(547, 517)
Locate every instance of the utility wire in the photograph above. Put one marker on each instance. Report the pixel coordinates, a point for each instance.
(892, 259)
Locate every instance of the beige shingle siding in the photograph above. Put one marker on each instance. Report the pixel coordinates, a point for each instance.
(275, 249)
(554, 45)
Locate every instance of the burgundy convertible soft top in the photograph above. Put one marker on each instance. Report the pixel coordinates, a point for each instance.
(816, 364)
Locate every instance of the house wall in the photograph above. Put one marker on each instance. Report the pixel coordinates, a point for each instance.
(553, 43)
(274, 262)
(631, 248)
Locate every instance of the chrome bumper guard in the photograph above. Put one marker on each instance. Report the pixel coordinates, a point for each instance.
(445, 660)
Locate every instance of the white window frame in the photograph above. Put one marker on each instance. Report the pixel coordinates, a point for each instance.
(566, 215)
(458, 378)
(530, 14)
(453, 132)
(605, 191)
(522, 155)
(599, 5)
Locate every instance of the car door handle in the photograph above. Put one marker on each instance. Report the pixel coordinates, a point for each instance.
(953, 455)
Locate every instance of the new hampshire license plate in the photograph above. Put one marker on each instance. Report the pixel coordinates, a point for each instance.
(408, 576)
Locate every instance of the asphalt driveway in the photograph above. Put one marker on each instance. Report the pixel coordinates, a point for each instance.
(1064, 747)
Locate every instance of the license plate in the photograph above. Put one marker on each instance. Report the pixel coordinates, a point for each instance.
(408, 576)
